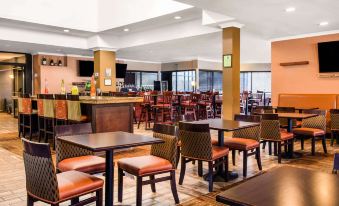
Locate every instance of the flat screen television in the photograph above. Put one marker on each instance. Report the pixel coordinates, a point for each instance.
(86, 68)
(120, 70)
(328, 54)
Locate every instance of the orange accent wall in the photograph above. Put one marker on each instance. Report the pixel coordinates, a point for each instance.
(302, 79)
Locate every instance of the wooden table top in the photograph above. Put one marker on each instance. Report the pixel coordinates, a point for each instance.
(296, 115)
(285, 186)
(300, 108)
(227, 125)
(109, 140)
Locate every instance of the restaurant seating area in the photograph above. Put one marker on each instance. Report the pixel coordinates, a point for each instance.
(172, 102)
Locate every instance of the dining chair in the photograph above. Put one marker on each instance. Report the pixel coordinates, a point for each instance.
(196, 144)
(245, 140)
(271, 133)
(160, 161)
(61, 112)
(43, 184)
(70, 157)
(334, 114)
(314, 128)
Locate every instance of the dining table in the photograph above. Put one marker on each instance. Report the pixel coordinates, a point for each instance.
(294, 116)
(222, 126)
(109, 142)
(300, 109)
(282, 186)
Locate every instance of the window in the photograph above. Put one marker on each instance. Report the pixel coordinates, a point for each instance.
(255, 81)
(182, 81)
(209, 80)
(141, 79)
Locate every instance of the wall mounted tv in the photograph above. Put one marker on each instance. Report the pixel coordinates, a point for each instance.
(86, 68)
(120, 70)
(328, 54)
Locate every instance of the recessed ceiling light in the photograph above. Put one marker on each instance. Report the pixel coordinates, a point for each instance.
(66, 30)
(324, 23)
(126, 29)
(177, 17)
(290, 9)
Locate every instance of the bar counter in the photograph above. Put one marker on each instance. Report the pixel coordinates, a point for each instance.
(107, 114)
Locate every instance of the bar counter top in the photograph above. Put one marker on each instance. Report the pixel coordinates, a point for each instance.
(103, 100)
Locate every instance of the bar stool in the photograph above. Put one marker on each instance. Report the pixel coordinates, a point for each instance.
(41, 121)
(60, 109)
(146, 111)
(20, 116)
(191, 106)
(74, 110)
(334, 113)
(28, 116)
(49, 117)
(164, 108)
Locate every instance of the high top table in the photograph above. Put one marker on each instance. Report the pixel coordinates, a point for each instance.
(222, 126)
(109, 142)
(285, 186)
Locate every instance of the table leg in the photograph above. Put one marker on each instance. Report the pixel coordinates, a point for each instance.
(109, 184)
(289, 124)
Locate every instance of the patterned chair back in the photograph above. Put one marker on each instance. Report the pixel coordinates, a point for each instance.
(317, 122)
(48, 104)
(74, 108)
(168, 149)
(60, 107)
(195, 140)
(251, 132)
(65, 150)
(270, 127)
(41, 180)
(334, 113)
(40, 104)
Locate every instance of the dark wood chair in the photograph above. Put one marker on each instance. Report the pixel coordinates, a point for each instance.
(28, 116)
(146, 111)
(49, 117)
(61, 113)
(70, 157)
(43, 184)
(196, 144)
(246, 140)
(191, 106)
(334, 113)
(270, 132)
(164, 108)
(160, 161)
(314, 128)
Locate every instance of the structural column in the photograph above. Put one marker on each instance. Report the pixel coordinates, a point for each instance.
(104, 70)
(231, 72)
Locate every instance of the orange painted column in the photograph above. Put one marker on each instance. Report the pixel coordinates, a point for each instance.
(104, 70)
(231, 72)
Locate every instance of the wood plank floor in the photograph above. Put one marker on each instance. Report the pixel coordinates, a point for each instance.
(194, 191)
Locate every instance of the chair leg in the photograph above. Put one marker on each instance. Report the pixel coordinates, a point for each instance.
(120, 184)
(285, 146)
(275, 148)
(200, 168)
(30, 200)
(313, 146)
(257, 154)
(178, 157)
(226, 167)
(99, 195)
(74, 200)
(291, 149)
(182, 170)
(174, 187)
(245, 163)
(332, 138)
(324, 144)
(264, 145)
(139, 191)
(302, 143)
(210, 176)
(279, 152)
(269, 148)
(151, 177)
(233, 157)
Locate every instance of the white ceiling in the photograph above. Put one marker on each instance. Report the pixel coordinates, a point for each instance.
(268, 18)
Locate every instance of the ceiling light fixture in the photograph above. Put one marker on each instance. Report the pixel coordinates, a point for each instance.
(290, 9)
(324, 23)
(66, 30)
(126, 29)
(177, 17)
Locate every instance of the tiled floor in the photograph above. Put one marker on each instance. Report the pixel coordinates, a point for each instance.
(192, 192)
